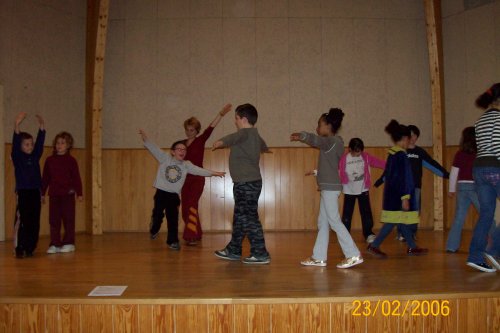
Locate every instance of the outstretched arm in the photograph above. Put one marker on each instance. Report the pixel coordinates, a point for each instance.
(41, 122)
(221, 114)
(19, 119)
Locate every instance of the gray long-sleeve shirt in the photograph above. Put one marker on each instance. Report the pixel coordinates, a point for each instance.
(244, 157)
(331, 149)
(171, 173)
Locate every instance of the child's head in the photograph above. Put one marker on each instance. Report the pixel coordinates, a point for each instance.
(246, 116)
(400, 134)
(192, 127)
(356, 146)
(62, 143)
(178, 150)
(27, 144)
(468, 140)
(329, 123)
(414, 134)
(491, 96)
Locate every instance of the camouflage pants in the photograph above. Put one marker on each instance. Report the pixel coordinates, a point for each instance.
(246, 220)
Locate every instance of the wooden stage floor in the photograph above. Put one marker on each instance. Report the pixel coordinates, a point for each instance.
(152, 272)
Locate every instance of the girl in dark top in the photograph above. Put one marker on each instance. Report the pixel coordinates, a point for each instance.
(462, 183)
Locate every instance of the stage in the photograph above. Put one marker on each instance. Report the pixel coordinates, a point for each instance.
(191, 290)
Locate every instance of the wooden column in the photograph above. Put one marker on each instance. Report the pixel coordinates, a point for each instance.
(2, 169)
(435, 48)
(97, 23)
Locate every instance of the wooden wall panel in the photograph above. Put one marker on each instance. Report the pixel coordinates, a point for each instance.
(289, 199)
(466, 315)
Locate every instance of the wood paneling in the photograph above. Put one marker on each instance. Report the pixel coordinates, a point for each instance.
(466, 315)
(289, 200)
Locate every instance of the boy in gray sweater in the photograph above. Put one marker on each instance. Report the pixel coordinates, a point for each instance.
(169, 180)
(246, 146)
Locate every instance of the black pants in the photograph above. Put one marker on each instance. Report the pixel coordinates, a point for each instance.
(365, 211)
(166, 204)
(28, 207)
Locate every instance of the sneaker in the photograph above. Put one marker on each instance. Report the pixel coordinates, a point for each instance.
(174, 246)
(370, 238)
(483, 267)
(191, 243)
(19, 254)
(493, 260)
(53, 249)
(67, 248)
(28, 254)
(225, 254)
(253, 260)
(451, 251)
(416, 251)
(400, 238)
(153, 236)
(349, 262)
(375, 251)
(313, 262)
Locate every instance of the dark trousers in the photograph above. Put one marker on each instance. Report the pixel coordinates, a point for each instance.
(365, 211)
(62, 211)
(28, 225)
(246, 220)
(166, 204)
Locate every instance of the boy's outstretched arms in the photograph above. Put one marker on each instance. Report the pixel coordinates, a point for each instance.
(217, 144)
(19, 119)
(41, 122)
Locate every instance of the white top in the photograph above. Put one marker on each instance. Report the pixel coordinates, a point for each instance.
(355, 169)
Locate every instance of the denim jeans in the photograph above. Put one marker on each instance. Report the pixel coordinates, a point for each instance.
(406, 231)
(487, 181)
(466, 195)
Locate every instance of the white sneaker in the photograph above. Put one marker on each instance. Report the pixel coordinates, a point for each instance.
(349, 262)
(67, 248)
(370, 239)
(53, 249)
(493, 260)
(313, 262)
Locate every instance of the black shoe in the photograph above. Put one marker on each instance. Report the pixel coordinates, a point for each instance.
(483, 267)
(28, 254)
(19, 254)
(174, 246)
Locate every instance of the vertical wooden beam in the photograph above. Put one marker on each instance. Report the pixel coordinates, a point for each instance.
(97, 24)
(2, 169)
(435, 49)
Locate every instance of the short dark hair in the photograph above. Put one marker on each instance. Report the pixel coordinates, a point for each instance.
(25, 136)
(397, 131)
(468, 140)
(247, 111)
(414, 129)
(178, 142)
(356, 144)
(489, 96)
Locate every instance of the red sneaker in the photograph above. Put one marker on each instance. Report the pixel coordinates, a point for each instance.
(417, 251)
(375, 251)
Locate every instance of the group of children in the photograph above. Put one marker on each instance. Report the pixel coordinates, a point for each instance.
(181, 172)
(61, 178)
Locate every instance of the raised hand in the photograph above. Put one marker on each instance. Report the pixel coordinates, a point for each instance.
(143, 134)
(41, 122)
(225, 109)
